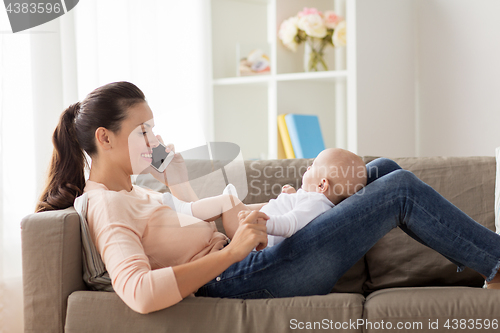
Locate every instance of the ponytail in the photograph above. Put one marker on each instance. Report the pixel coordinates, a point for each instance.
(66, 178)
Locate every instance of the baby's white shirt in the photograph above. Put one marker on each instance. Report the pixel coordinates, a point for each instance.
(290, 212)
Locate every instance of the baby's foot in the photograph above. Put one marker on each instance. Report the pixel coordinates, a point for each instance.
(230, 189)
(178, 205)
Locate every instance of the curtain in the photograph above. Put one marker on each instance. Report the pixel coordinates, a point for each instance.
(17, 180)
(161, 46)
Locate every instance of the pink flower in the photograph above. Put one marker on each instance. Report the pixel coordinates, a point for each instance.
(309, 11)
(331, 19)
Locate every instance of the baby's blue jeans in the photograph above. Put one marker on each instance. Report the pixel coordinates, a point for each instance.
(311, 261)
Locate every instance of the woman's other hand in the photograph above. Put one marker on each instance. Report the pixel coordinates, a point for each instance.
(260, 219)
(251, 234)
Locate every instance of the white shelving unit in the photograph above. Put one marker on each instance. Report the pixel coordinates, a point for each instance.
(245, 109)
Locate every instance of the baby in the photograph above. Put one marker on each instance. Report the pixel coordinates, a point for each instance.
(335, 175)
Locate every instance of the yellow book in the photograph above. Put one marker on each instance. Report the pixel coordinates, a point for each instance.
(281, 148)
(285, 137)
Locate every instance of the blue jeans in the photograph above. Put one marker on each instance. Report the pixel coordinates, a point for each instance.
(312, 260)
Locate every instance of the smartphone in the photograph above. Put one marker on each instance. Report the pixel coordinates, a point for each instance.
(161, 158)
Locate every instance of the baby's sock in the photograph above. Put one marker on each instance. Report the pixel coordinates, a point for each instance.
(176, 204)
(230, 189)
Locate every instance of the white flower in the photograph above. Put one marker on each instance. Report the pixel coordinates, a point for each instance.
(313, 25)
(288, 31)
(292, 45)
(339, 35)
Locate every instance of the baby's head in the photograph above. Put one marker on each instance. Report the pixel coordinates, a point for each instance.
(337, 173)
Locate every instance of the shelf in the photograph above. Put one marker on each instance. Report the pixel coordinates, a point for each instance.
(242, 80)
(245, 108)
(311, 76)
(328, 75)
(254, 1)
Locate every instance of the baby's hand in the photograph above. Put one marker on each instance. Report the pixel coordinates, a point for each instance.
(288, 189)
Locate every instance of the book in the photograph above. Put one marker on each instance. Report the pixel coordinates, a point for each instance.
(305, 135)
(285, 137)
(281, 148)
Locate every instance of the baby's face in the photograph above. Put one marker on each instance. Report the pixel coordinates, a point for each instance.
(311, 179)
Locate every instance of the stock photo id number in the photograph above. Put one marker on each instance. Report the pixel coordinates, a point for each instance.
(28, 14)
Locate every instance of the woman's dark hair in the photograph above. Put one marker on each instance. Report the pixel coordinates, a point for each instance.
(105, 107)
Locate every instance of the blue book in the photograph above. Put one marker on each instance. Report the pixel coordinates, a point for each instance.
(305, 134)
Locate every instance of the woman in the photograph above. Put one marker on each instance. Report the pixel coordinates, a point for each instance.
(154, 261)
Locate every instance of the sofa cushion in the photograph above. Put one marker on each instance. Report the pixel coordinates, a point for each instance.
(398, 260)
(353, 280)
(202, 314)
(95, 274)
(436, 305)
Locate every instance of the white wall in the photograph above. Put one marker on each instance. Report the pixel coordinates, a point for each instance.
(385, 78)
(428, 77)
(459, 69)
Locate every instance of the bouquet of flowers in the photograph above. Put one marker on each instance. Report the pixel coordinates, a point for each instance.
(315, 28)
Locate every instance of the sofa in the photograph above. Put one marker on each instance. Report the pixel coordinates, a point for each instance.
(399, 285)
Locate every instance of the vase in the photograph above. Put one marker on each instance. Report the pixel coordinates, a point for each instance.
(314, 57)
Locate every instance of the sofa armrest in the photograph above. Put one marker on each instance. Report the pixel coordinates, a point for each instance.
(52, 267)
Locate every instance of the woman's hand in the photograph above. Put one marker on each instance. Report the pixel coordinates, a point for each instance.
(176, 171)
(288, 189)
(260, 219)
(252, 233)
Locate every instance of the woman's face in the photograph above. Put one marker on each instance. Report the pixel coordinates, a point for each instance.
(135, 140)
